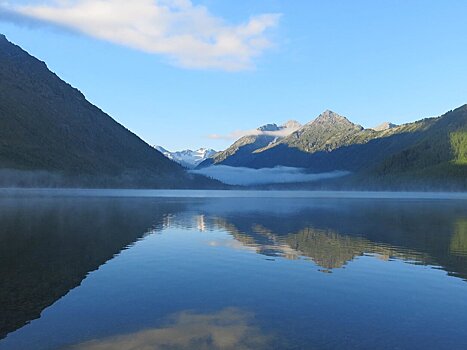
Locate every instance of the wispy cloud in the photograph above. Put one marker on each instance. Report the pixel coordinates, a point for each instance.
(248, 176)
(187, 34)
(235, 135)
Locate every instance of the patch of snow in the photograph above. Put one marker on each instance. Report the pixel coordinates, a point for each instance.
(188, 158)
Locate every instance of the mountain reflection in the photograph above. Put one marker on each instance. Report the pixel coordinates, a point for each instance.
(333, 232)
(326, 248)
(227, 329)
(48, 245)
(459, 239)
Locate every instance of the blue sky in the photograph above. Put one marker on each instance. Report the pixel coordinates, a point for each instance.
(244, 64)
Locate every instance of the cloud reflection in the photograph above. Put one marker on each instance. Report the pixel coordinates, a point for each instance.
(230, 328)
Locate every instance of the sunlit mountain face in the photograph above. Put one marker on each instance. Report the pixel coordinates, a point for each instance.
(261, 270)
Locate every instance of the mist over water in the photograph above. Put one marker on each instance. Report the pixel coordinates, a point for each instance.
(248, 176)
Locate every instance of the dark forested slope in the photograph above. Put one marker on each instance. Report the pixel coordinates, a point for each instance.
(48, 127)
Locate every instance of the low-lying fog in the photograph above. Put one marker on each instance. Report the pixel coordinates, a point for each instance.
(247, 176)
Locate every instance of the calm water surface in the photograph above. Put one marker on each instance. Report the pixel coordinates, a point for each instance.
(185, 270)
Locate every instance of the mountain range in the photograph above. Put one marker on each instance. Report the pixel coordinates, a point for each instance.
(188, 158)
(241, 149)
(431, 150)
(50, 135)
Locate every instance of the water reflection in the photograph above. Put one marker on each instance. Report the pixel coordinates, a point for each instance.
(334, 232)
(49, 245)
(327, 248)
(227, 329)
(459, 239)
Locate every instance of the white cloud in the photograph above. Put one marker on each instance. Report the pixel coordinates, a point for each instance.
(247, 176)
(189, 35)
(235, 135)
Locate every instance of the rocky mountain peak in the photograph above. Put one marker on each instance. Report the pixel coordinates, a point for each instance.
(188, 158)
(384, 126)
(291, 124)
(329, 116)
(269, 127)
(331, 119)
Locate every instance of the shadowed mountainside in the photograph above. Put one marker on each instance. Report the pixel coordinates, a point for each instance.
(244, 147)
(51, 135)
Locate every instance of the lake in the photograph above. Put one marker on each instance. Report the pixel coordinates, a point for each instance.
(232, 270)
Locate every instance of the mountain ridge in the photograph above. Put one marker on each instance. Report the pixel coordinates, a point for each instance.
(47, 125)
(246, 145)
(430, 149)
(188, 158)
(51, 135)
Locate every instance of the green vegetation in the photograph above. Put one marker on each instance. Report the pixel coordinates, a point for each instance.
(50, 135)
(440, 155)
(430, 153)
(48, 126)
(459, 147)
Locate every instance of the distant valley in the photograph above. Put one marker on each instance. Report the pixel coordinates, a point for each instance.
(188, 158)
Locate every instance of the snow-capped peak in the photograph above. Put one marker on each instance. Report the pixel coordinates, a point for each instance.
(188, 158)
